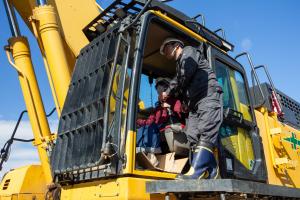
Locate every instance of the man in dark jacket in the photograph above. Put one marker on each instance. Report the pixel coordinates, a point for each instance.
(196, 82)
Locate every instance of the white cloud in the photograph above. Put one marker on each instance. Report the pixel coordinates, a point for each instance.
(7, 127)
(21, 153)
(246, 44)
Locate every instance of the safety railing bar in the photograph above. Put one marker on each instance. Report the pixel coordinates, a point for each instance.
(106, 147)
(202, 18)
(138, 16)
(267, 73)
(222, 31)
(197, 24)
(254, 74)
(122, 142)
(166, 1)
(270, 81)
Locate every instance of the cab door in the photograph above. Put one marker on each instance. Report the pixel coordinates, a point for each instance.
(89, 136)
(241, 154)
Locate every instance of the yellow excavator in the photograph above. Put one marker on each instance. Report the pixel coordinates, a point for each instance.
(96, 61)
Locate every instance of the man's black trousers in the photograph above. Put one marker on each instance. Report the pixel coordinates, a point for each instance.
(205, 119)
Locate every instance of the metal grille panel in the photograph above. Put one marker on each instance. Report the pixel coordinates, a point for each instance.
(80, 133)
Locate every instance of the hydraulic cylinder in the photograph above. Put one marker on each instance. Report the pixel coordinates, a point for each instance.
(60, 68)
(42, 136)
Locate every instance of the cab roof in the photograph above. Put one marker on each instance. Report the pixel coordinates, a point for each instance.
(120, 9)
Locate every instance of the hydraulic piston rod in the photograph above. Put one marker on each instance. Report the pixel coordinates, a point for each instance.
(14, 28)
(19, 49)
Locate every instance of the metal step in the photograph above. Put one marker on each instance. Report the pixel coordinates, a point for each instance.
(276, 137)
(227, 187)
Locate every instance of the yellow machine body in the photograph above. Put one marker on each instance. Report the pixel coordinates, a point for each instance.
(113, 189)
(72, 18)
(282, 157)
(60, 42)
(24, 183)
(27, 183)
(60, 68)
(42, 136)
(133, 188)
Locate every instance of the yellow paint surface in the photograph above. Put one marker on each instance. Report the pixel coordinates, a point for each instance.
(24, 183)
(286, 173)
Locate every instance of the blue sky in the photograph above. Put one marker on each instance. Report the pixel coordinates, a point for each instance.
(269, 30)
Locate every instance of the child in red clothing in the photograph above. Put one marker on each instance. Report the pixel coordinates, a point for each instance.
(167, 111)
(161, 113)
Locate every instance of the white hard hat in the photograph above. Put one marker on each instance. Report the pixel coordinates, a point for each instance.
(169, 40)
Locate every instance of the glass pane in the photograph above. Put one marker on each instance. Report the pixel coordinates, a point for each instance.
(147, 93)
(243, 97)
(224, 81)
(125, 99)
(116, 86)
(241, 88)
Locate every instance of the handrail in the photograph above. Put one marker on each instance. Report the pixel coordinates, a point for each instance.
(270, 81)
(134, 21)
(195, 22)
(202, 17)
(222, 31)
(255, 76)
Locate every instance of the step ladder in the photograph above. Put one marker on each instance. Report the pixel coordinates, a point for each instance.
(277, 138)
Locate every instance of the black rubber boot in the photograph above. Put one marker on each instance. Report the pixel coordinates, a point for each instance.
(204, 165)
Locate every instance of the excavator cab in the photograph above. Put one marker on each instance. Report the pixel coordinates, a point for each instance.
(104, 100)
(97, 128)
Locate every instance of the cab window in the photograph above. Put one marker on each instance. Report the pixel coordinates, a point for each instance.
(223, 78)
(233, 85)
